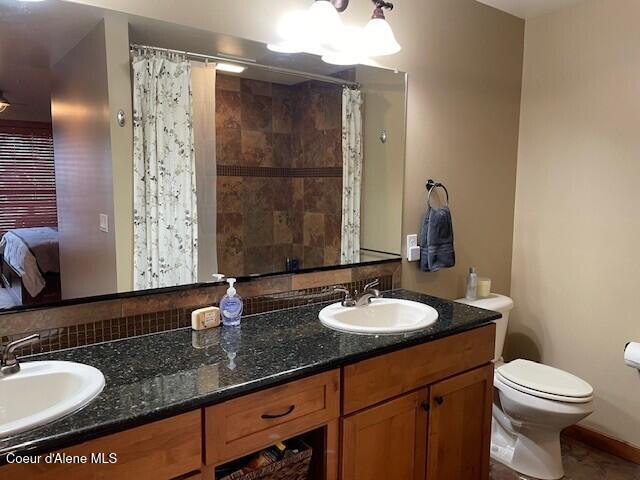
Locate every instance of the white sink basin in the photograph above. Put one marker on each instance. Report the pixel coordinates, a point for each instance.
(381, 316)
(42, 392)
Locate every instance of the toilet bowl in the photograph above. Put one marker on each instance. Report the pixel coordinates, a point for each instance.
(532, 404)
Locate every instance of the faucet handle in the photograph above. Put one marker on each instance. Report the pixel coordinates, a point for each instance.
(369, 285)
(9, 359)
(347, 301)
(342, 289)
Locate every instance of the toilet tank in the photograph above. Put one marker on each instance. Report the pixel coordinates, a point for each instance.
(497, 303)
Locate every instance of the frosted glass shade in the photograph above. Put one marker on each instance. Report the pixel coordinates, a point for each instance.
(324, 22)
(340, 59)
(285, 47)
(379, 39)
(347, 48)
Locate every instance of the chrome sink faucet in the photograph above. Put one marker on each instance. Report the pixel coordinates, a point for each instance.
(359, 299)
(368, 293)
(9, 363)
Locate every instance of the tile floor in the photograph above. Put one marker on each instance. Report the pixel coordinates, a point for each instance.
(580, 463)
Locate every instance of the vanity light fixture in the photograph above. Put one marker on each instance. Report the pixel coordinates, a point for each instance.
(230, 68)
(4, 103)
(308, 31)
(319, 30)
(378, 35)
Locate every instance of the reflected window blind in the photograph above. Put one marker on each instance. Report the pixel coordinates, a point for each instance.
(27, 176)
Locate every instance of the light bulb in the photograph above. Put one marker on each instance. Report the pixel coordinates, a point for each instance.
(379, 39)
(293, 25)
(324, 23)
(293, 29)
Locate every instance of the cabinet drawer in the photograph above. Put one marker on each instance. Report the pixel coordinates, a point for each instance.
(255, 421)
(377, 379)
(160, 450)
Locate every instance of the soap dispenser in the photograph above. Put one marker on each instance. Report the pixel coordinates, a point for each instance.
(231, 306)
(472, 285)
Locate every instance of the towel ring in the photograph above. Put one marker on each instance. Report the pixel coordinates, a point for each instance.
(431, 186)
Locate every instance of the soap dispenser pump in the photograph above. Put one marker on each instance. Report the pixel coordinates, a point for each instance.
(231, 306)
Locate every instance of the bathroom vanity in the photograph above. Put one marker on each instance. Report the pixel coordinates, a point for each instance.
(179, 404)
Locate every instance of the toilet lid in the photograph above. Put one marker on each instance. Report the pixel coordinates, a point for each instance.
(545, 381)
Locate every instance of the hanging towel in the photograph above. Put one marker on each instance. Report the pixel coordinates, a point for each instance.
(436, 240)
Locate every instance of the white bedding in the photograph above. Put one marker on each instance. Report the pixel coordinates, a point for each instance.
(31, 252)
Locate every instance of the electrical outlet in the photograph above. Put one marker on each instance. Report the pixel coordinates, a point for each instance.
(104, 223)
(413, 250)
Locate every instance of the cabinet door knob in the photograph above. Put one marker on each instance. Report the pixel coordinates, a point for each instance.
(439, 400)
(425, 406)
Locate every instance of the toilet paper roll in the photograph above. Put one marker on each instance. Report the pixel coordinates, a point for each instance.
(632, 354)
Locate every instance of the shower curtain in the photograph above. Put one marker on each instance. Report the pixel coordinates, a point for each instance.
(351, 174)
(164, 198)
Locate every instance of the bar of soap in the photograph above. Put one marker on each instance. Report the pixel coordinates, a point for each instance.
(204, 318)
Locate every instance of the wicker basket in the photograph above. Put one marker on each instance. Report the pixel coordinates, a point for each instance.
(294, 467)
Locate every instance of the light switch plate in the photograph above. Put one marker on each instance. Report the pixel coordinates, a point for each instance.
(104, 223)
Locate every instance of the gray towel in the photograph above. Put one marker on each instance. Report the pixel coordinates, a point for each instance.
(436, 240)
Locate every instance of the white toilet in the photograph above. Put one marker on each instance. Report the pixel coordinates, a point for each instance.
(532, 404)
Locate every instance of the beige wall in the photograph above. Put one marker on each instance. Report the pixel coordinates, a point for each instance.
(576, 260)
(464, 61)
(119, 87)
(93, 157)
(82, 147)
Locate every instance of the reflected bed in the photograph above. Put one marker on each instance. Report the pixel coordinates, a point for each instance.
(30, 268)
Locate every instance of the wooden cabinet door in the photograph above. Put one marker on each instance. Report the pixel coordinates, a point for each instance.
(460, 426)
(160, 450)
(387, 441)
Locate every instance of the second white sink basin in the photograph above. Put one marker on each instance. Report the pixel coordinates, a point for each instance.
(381, 316)
(42, 392)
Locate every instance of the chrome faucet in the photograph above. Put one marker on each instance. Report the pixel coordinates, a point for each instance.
(358, 300)
(368, 293)
(348, 300)
(9, 363)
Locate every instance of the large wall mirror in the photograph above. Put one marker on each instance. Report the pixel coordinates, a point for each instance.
(137, 154)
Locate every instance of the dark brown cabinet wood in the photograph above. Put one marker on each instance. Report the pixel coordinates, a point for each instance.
(460, 426)
(387, 441)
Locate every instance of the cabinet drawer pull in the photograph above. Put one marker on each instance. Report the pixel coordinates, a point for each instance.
(425, 406)
(439, 400)
(268, 416)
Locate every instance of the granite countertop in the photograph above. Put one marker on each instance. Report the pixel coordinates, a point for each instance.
(156, 376)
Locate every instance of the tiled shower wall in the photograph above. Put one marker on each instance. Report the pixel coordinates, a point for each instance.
(279, 157)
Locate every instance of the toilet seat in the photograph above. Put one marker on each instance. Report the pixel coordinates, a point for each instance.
(544, 381)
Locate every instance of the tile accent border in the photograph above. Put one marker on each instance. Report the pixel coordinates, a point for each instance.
(96, 322)
(248, 171)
